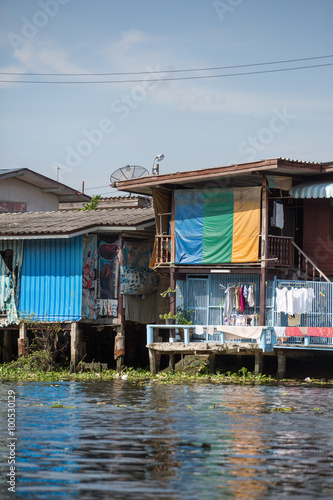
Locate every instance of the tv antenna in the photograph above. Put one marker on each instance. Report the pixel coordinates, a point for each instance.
(128, 172)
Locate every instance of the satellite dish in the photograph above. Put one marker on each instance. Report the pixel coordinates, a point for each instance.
(128, 172)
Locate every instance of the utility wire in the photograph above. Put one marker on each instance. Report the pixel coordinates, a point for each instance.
(97, 187)
(168, 79)
(173, 70)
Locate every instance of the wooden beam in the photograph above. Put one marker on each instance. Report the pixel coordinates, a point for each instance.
(264, 243)
(173, 239)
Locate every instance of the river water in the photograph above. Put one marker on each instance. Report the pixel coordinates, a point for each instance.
(120, 440)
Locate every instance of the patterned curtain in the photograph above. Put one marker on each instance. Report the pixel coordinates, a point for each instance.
(11, 257)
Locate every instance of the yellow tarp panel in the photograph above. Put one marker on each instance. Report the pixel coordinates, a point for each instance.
(245, 246)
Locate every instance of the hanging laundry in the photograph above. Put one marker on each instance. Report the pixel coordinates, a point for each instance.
(281, 299)
(294, 300)
(250, 296)
(278, 215)
(229, 301)
(242, 299)
(237, 299)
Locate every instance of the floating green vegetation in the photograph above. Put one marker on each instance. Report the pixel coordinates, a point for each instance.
(59, 405)
(282, 409)
(23, 370)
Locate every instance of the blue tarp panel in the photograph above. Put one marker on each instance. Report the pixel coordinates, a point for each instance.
(51, 280)
(189, 214)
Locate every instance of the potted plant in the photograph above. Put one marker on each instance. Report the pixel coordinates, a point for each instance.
(183, 317)
(169, 318)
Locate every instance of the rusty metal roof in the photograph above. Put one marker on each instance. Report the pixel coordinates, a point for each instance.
(241, 174)
(57, 224)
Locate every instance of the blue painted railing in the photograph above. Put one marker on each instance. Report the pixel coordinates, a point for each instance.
(266, 341)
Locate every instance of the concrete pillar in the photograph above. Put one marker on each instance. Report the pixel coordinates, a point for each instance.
(7, 348)
(22, 342)
(152, 361)
(282, 364)
(258, 363)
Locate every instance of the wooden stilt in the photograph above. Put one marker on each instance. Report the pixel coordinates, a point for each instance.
(152, 361)
(172, 362)
(119, 348)
(22, 342)
(211, 363)
(282, 364)
(7, 348)
(258, 363)
(74, 344)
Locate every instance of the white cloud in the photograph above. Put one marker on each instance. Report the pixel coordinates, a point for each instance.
(39, 56)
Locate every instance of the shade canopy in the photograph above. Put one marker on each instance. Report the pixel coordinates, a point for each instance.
(312, 190)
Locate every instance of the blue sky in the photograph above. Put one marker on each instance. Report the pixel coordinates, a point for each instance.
(90, 130)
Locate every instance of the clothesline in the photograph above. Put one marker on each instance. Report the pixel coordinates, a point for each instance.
(294, 300)
(292, 284)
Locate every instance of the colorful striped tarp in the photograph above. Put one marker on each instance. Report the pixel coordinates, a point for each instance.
(217, 225)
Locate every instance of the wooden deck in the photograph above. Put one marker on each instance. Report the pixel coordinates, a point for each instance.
(212, 349)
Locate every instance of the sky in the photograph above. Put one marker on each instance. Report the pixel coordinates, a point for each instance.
(87, 129)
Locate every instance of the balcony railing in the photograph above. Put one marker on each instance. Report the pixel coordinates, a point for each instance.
(163, 249)
(280, 251)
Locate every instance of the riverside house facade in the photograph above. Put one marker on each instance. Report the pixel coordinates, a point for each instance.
(249, 250)
(88, 271)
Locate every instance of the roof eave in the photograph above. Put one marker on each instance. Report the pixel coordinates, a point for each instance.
(262, 167)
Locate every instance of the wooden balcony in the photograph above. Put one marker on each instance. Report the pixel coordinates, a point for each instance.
(163, 249)
(282, 253)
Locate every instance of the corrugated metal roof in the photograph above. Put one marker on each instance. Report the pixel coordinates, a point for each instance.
(312, 190)
(223, 175)
(63, 223)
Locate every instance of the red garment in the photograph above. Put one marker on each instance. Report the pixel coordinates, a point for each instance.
(242, 300)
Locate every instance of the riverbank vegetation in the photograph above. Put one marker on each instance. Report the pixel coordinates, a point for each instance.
(29, 368)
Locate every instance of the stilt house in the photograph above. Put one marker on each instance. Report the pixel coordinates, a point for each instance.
(248, 249)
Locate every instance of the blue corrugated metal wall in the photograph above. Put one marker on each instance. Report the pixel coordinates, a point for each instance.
(51, 281)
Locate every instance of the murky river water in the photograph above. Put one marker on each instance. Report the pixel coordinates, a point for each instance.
(169, 441)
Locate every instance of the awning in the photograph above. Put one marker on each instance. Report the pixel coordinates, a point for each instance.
(312, 190)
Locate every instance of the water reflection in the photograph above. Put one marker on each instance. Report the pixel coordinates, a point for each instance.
(122, 441)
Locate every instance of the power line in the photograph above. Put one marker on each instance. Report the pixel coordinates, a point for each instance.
(171, 71)
(97, 187)
(168, 79)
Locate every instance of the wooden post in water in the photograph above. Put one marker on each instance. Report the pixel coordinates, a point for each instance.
(152, 361)
(7, 348)
(74, 344)
(119, 348)
(171, 362)
(22, 342)
(258, 363)
(212, 362)
(282, 364)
